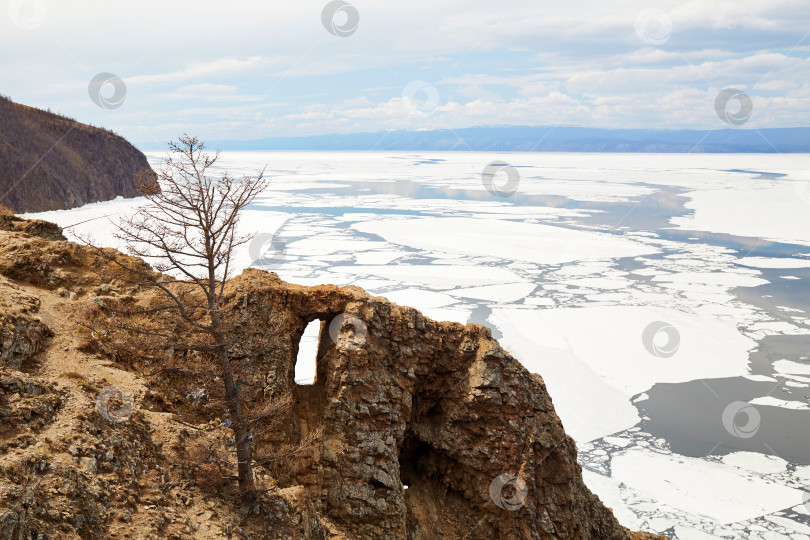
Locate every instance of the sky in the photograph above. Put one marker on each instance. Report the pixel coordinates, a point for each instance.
(247, 69)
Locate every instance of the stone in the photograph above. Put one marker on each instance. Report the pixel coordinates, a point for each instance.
(89, 464)
(457, 419)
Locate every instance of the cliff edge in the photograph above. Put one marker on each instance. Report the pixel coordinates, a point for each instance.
(49, 162)
(420, 429)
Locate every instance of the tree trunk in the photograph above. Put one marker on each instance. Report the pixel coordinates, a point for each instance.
(240, 432)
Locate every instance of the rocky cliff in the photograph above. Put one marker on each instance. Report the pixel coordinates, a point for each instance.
(419, 429)
(49, 162)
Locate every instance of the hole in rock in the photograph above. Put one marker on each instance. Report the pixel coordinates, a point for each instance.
(306, 362)
(416, 461)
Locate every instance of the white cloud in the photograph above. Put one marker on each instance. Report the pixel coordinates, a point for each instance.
(264, 69)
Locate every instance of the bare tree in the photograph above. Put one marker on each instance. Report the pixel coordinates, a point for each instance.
(187, 231)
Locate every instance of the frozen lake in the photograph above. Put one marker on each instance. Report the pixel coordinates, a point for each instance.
(663, 298)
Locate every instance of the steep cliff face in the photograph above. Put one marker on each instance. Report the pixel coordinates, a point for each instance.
(424, 429)
(406, 401)
(49, 162)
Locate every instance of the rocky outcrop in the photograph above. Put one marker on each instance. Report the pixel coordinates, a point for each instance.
(49, 162)
(26, 405)
(429, 429)
(22, 333)
(421, 429)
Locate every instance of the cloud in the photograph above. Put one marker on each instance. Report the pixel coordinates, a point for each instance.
(255, 69)
(207, 92)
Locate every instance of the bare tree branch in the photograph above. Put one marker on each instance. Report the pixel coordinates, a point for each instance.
(188, 230)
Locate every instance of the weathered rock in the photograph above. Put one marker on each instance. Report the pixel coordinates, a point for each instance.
(33, 227)
(22, 334)
(291, 515)
(20, 339)
(14, 525)
(25, 403)
(399, 400)
(89, 464)
(439, 407)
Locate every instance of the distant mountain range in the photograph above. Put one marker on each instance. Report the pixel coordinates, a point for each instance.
(545, 139)
(50, 162)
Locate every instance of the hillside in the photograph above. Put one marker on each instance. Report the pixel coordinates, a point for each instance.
(424, 430)
(49, 162)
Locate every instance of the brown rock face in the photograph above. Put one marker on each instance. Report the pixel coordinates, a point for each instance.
(406, 401)
(399, 400)
(22, 333)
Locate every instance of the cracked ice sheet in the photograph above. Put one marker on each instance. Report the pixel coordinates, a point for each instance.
(704, 488)
(765, 262)
(611, 494)
(433, 276)
(95, 219)
(594, 359)
(419, 299)
(465, 206)
(378, 257)
(431, 304)
(509, 240)
(772, 211)
(775, 402)
(496, 293)
(332, 243)
(756, 462)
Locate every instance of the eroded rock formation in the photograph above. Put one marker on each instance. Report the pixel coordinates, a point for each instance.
(399, 400)
(407, 401)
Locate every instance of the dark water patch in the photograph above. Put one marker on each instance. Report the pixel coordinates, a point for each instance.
(773, 348)
(629, 264)
(697, 418)
(760, 175)
(690, 415)
(648, 212)
(792, 293)
(652, 212)
(480, 315)
(745, 246)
